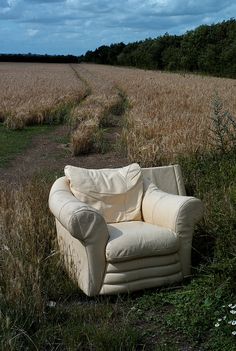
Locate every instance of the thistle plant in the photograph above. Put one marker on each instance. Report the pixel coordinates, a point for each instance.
(223, 127)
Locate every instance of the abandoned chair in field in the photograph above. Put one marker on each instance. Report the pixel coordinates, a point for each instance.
(124, 229)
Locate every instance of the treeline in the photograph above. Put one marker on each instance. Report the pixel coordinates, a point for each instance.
(38, 58)
(209, 49)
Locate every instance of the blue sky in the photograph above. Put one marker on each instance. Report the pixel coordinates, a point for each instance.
(75, 26)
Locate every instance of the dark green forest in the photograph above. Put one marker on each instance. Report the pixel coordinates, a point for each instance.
(209, 49)
(38, 58)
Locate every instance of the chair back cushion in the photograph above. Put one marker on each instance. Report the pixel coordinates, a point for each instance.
(115, 193)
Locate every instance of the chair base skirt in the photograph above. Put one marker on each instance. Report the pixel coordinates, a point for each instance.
(111, 289)
(123, 277)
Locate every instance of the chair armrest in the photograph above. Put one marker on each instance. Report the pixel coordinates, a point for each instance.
(84, 258)
(82, 221)
(178, 213)
(175, 212)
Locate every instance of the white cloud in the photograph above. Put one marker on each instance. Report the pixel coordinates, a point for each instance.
(12, 3)
(79, 25)
(32, 32)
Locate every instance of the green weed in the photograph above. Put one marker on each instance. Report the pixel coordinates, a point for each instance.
(223, 127)
(13, 142)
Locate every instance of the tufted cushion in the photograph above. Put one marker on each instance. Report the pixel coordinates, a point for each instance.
(115, 193)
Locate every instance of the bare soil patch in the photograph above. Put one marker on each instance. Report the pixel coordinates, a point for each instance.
(51, 153)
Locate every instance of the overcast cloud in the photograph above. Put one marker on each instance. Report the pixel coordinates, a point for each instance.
(75, 26)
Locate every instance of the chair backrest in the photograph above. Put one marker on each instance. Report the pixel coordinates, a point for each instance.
(166, 178)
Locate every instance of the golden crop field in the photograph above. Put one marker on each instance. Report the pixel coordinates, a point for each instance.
(170, 114)
(31, 91)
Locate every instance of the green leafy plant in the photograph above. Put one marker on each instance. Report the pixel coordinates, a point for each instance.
(223, 130)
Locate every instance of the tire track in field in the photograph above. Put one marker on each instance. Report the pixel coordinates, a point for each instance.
(102, 112)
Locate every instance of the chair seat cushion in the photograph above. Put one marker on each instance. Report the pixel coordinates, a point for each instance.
(131, 240)
(115, 193)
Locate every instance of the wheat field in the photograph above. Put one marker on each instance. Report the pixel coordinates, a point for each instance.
(170, 114)
(30, 93)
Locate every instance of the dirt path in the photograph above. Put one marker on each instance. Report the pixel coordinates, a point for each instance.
(48, 153)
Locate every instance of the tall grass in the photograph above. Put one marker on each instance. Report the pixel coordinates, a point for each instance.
(31, 272)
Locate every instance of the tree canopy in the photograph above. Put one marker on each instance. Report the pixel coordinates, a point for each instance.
(38, 58)
(209, 49)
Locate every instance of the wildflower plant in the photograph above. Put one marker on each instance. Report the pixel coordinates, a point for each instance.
(227, 323)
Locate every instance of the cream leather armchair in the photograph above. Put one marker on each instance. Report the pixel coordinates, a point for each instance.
(141, 250)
